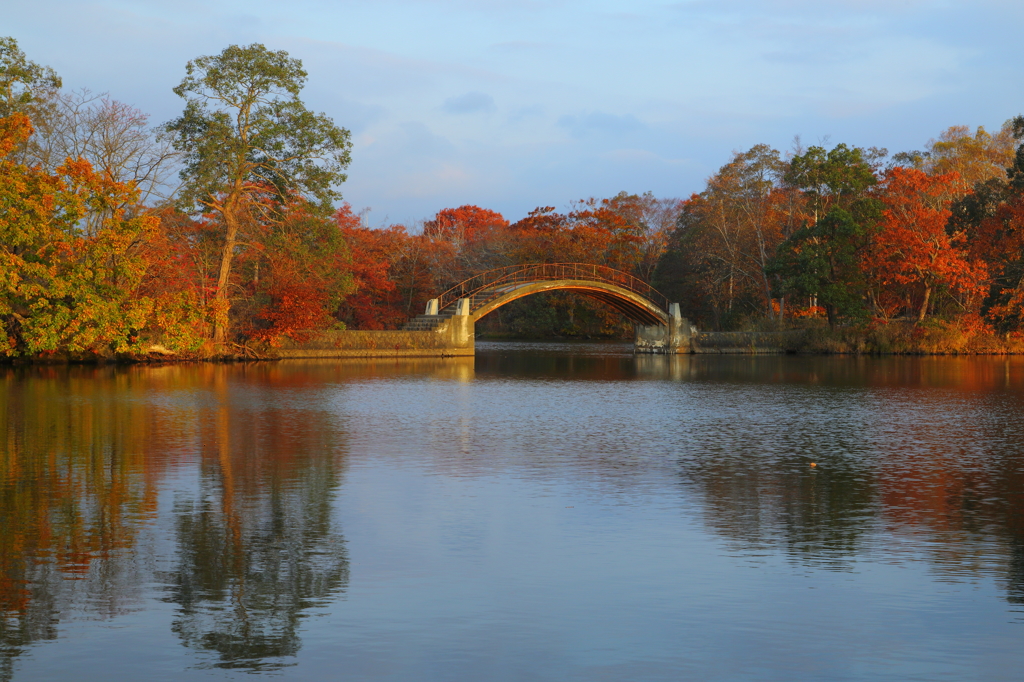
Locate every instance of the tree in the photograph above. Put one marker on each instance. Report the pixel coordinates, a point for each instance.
(22, 80)
(820, 260)
(250, 146)
(464, 225)
(376, 302)
(470, 234)
(975, 158)
(112, 136)
(726, 236)
(632, 230)
(60, 288)
(912, 249)
(837, 177)
(992, 218)
(300, 275)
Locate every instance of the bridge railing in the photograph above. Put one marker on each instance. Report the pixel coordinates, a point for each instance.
(516, 274)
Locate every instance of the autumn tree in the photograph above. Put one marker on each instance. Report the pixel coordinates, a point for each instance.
(992, 218)
(912, 254)
(659, 216)
(627, 231)
(691, 272)
(375, 262)
(62, 289)
(250, 146)
(300, 274)
(470, 239)
(180, 259)
(975, 157)
(532, 235)
(112, 136)
(25, 87)
(464, 225)
(727, 235)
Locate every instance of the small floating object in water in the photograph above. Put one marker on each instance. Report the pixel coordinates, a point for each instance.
(814, 464)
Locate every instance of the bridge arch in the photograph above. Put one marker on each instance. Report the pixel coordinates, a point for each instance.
(490, 290)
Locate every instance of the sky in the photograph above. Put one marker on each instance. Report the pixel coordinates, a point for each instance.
(515, 104)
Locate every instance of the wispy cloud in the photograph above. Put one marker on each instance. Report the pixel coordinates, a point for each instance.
(458, 101)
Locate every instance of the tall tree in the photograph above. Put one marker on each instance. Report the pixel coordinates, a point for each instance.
(820, 259)
(726, 236)
(912, 254)
(250, 146)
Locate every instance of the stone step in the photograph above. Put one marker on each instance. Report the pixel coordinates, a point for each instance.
(425, 322)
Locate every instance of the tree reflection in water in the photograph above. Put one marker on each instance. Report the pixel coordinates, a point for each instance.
(79, 467)
(84, 456)
(926, 454)
(257, 548)
(916, 459)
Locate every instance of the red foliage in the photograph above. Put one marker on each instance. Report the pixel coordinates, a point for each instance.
(912, 252)
(375, 302)
(465, 225)
(295, 309)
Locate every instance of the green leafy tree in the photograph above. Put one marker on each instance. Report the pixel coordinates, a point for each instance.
(820, 260)
(250, 146)
(21, 80)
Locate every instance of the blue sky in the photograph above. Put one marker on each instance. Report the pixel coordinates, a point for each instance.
(521, 103)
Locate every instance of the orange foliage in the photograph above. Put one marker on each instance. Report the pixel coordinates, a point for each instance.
(375, 302)
(295, 310)
(912, 254)
(464, 225)
(299, 264)
(66, 286)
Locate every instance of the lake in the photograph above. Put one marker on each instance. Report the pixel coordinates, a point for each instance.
(544, 511)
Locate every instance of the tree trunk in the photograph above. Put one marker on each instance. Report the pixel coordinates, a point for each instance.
(222, 304)
(924, 305)
(831, 313)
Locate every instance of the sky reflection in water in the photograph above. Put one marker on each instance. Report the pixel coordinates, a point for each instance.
(545, 511)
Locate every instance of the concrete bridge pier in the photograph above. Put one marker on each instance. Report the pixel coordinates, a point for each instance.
(461, 328)
(674, 337)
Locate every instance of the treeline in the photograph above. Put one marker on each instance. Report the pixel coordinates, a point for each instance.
(219, 232)
(846, 235)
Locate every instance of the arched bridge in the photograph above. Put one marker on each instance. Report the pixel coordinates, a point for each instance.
(658, 325)
(490, 290)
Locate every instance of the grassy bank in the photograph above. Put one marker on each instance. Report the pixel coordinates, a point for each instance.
(932, 337)
(811, 337)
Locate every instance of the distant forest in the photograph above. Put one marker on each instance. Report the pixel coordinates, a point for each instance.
(224, 229)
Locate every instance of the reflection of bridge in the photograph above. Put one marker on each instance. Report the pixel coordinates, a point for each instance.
(659, 326)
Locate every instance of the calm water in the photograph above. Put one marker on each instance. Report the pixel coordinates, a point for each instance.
(543, 512)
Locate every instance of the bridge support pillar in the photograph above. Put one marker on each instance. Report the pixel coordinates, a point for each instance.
(671, 338)
(461, 328)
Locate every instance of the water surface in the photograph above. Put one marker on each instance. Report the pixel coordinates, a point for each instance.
(542, 512)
